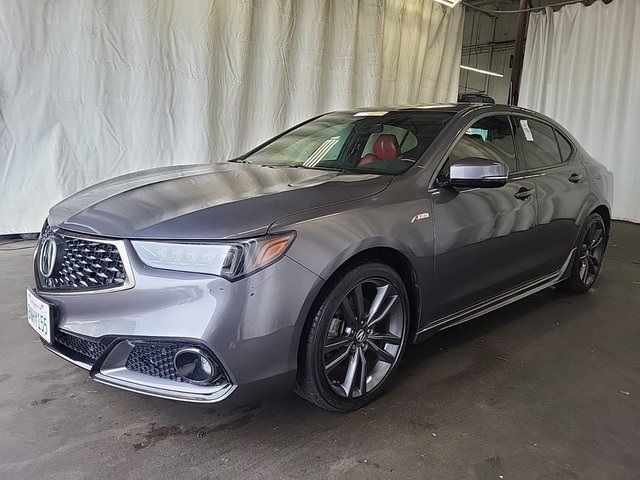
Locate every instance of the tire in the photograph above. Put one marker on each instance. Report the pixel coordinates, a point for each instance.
(588, 259)
(348, 358)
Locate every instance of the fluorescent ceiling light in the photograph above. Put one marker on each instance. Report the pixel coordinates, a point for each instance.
(485, 72)
(449, 3)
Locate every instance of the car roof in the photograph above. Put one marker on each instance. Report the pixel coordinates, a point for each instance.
(444, 107)
(448, 107)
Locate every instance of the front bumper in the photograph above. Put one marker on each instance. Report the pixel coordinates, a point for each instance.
(251, 327)
(109, 361)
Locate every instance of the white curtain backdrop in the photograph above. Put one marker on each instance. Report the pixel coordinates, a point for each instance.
(582, 68)
(92, 89)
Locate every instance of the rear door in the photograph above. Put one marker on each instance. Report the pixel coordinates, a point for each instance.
(551, 162)
(482, 235)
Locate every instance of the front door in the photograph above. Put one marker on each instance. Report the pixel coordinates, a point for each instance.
(483, 236)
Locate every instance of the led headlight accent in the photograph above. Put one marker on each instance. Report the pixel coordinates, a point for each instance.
(229, 260)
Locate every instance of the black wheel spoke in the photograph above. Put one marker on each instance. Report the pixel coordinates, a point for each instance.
(385, 337)
(337, 361)
(347, 311)
(595, 241)
(363, 372)
(381, 353)
(584, 270)
(594, 260)
(376, 304)
(382, 313)
(336, 343)
(591, 232)
(359, 301)
(352, 371)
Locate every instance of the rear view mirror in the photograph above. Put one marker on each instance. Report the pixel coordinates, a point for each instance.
(474, 172)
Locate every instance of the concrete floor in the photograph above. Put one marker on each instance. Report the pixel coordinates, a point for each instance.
(545, 388)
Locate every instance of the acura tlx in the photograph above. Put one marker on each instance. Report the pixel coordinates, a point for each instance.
(310, 262)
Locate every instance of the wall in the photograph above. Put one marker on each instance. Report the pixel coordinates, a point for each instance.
(582, 69)
(93, 89)
(488, 44)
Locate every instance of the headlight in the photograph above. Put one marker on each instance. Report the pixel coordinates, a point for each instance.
(230, 260)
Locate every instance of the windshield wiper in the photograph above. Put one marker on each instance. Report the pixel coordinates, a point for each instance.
(284, 165)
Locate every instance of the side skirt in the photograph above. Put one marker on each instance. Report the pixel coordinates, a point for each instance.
(496, 302)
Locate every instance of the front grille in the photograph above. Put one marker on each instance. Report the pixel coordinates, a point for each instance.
(79, 345)
(155, 358)
(82, 264)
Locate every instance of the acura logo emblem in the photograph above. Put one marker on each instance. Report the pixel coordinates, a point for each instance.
(48, 255)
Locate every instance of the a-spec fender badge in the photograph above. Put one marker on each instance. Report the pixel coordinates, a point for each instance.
(420, 216)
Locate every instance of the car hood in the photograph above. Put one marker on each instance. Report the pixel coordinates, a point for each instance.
(213, 201)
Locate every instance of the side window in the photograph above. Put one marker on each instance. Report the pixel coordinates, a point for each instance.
(489, 137)
(565, 146)
(539, 144)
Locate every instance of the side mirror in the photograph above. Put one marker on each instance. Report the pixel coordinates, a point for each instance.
(473, 172)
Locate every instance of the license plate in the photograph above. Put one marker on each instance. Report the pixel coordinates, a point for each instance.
(39, 316)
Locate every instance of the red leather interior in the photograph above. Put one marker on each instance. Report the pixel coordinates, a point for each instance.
(385, 148)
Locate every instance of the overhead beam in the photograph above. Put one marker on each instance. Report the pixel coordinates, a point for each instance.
(484, 3)
(518, 55)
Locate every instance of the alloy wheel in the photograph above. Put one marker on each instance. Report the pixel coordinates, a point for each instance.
(364, 338)
(591, 252)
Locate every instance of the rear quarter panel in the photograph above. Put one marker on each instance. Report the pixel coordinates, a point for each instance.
(600, 181)
(600, 178)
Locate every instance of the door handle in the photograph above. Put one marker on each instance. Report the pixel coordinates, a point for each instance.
(575, 177)
(523, 193)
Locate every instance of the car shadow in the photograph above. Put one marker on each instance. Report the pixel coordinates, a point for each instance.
(180, 419)
(465, 333)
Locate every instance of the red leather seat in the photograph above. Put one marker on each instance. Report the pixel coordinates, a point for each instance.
(385, 148)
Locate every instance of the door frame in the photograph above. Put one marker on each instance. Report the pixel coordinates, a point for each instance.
(460, 134)
(520, 152)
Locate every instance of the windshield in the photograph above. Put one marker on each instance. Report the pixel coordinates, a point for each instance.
(369, 142)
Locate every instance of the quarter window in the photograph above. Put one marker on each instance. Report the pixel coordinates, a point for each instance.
(565, 146)
(539, 144)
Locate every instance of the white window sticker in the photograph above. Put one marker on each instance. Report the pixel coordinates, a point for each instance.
(527, 131)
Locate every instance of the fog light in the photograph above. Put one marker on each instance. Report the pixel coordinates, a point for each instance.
(195, 366)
